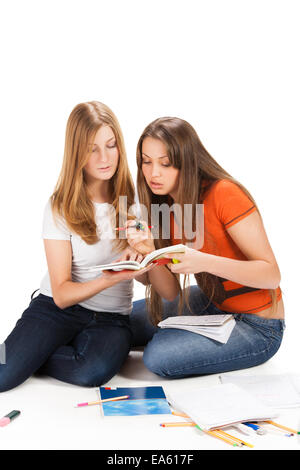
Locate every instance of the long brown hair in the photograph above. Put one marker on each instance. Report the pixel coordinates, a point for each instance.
(198, 172)
(70, 198)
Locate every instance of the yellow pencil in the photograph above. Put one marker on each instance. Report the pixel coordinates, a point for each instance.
(231, 438)
(235, 438)
(214, 433)
(169, 425)
(178, 413)
(218, 436)
(282, 427)
(102, 401)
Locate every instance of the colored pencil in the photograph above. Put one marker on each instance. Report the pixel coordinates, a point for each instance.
(169, 425)
(236, 438)
(219, 431)
(216, 433)
(178, 413)
(102, 401)
(218, 436)
(282, 427)
(227, 436)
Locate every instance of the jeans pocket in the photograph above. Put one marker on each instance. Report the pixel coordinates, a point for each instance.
(271, 328)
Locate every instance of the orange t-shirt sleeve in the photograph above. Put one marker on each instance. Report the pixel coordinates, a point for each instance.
(232, 203)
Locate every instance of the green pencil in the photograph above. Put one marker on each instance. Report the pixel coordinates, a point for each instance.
(214, 434)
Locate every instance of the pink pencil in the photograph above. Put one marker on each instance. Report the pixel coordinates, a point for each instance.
(102, 401)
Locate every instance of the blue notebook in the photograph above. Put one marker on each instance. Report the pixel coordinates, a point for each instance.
(141, 401)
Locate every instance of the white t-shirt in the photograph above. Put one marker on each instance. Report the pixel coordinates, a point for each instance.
(117, 298)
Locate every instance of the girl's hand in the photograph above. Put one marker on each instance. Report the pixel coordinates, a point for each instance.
(140, 240)
(191, 262)
(130, 254)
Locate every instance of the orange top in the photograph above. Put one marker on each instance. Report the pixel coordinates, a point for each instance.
(225, 204)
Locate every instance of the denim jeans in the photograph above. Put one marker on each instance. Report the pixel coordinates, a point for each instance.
(75, 345)
(82, 347)
(176, 353)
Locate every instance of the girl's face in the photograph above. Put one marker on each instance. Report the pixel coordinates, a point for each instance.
(161, 177)
(104, 158)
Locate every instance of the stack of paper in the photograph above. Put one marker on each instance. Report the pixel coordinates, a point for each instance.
(278, 391)
(217, 327)
(219, 406)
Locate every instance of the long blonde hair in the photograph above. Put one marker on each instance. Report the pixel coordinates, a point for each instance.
(198, 171)
(70, 198)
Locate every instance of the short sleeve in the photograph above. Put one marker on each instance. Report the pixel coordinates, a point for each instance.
(232, 203)
(54, 228)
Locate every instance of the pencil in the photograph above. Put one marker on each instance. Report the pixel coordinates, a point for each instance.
(231, 438)
(169, 425)
(178, 413)
(139, 227)
(282, 427)
(218, 436)
(102, 401)
(235, 438)
(219, 431)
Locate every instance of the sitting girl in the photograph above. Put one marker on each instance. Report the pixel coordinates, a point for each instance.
(77, 329)
(235, 268)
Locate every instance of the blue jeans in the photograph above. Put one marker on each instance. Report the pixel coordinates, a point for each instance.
(75, 345)
(178, 353)
(82, 347)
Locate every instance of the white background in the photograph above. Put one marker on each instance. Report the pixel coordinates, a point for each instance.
(230, 68)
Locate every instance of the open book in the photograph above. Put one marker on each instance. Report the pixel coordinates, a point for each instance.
(217, 327)
(136, 266)
(221, 405)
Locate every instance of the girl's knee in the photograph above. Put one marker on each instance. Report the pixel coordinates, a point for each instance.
(90, 377)
(89, 381)
(156, 363)
(7, 380)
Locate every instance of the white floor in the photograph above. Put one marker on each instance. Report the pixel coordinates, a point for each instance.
(49, 419)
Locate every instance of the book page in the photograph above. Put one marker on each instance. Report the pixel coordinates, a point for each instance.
(220, 333)
(118, 266)
(277, 391)
(134, 265)
(196, 320)
(220, 405)
(157, 253)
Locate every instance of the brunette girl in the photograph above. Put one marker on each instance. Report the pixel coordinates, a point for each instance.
(235, 269)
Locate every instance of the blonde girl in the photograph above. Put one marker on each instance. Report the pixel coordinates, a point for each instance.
(77, 328)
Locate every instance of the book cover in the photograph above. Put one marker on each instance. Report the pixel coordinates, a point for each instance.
(141, 401)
